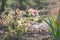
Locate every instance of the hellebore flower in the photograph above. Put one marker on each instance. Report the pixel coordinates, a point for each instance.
(33, 12)
(17, 11)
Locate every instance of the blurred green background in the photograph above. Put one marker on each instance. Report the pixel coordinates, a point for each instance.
(25, 4)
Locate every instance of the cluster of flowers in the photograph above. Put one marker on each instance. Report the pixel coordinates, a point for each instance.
(16, 18)
(19, 21)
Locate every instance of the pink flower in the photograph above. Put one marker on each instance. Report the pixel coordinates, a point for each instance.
(17, 11)
(35, 13)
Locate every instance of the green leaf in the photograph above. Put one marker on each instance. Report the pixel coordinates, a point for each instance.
(58, 26)
(9, 28)
(10, 2)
